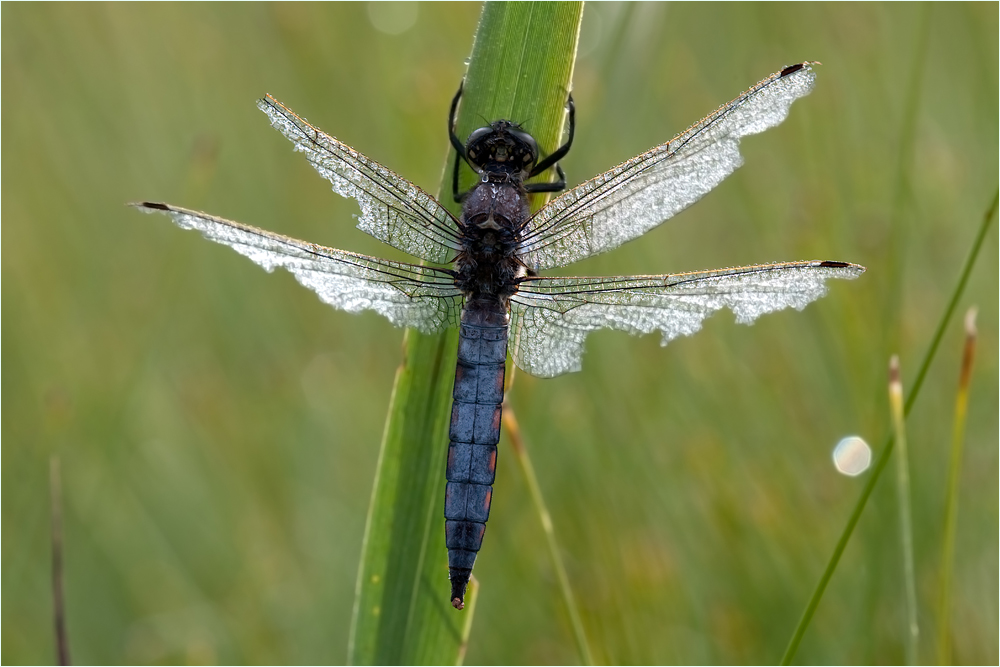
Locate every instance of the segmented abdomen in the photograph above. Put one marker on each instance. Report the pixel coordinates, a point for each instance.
(474, 433)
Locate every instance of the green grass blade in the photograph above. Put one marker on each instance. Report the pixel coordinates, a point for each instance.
(883, 459)
(520, 69)
(58, 574)
(902, 195)
(905, 508)
(535, 490)
(951, 499)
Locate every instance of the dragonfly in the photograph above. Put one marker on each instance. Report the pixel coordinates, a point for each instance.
(481, 271)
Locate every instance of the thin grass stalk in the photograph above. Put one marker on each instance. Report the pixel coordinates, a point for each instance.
(898, 235)
(58, 591)
(951, 499)
(883, 459)
(471, 597)
(905, 509)
(517, 444)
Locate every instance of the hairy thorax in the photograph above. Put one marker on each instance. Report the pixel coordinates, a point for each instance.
(492, 216)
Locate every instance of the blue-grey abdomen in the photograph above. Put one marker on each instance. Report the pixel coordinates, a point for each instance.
(474, 433)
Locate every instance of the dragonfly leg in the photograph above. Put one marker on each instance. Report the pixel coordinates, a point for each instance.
(555, 186)
(560, 152)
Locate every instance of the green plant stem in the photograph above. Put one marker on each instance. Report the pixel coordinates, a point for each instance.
(905, 509)
(951, 499)
(898, 227)
(471, 597)
(521, 67)
(58, 591)
(517, 444)
(883, 459)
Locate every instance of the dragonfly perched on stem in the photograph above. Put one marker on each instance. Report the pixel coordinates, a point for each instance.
(481, 270)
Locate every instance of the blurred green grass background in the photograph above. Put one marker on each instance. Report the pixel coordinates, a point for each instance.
(218, 426)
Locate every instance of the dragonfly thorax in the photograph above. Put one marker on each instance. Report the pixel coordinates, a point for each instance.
(492, 217)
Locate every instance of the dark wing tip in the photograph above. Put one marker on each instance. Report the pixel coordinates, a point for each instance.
(853, 269)
(792, 69)
(150, 204)
(830, 264)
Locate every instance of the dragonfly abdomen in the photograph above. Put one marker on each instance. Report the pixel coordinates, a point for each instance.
(474, 433)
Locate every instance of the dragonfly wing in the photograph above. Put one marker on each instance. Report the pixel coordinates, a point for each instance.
(551, 317)
(639, 194)
(410, 295)
(393, 210)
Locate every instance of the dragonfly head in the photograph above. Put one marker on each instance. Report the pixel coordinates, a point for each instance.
(502, 147)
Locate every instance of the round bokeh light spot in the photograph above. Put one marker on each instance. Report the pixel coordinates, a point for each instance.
(392, 18)
(852, 456)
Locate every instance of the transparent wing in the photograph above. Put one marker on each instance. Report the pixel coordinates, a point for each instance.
(639, 194)
(393, 210)
(552, 316)
(409, 295)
